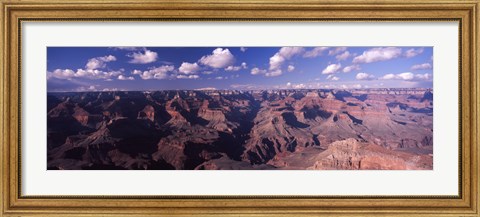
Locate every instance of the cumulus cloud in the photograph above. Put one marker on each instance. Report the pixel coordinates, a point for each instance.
(93, 70)
(147, 56)
(274, 73)
(378, 54)
(421, 66)
(82, 73)
(188, 68)
(345, 55)
(188, 76)
(290, 68)
(61, 74)
(408, 76)
(425, 76)
(123, 78)
(243, 49)
(236, 68)
(233, 68)
(161, 72)
(289, 52)
(336, 51)
(332, 77)
(277, 60)
(388, 77)
(99, 62)
(364, 76)
(317, 51)
(220, 58)
(351, 68)
(405, 76)
(257, 71)
(332, 68)
(413, 52)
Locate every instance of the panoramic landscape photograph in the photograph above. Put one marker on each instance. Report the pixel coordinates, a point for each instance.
(239, 108)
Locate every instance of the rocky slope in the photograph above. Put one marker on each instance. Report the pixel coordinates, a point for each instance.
(389, 129)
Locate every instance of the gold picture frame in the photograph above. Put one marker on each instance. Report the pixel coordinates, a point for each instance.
(14, 12)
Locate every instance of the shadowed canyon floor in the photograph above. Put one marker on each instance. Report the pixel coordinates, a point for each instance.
(366, 129)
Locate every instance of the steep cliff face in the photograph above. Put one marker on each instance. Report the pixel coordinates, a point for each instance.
(274, 129)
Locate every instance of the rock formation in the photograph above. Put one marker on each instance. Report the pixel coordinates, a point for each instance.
(366, 129)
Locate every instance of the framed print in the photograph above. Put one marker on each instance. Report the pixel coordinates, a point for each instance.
(254, 108)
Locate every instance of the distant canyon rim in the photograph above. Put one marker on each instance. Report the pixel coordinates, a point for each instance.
(288, 129)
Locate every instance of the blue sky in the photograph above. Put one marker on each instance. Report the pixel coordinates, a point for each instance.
(171, 68)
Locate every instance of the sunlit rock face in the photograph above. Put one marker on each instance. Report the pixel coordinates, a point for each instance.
(364, 129)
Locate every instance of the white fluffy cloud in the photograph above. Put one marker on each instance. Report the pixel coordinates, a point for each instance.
(405, 76)
(336, 51)
(92, 70)
(99, 62)
(243, 49)
(345, 55)
(82, 73)
(147, 56)
(236, 68)
(317, 51)
(421, 66)
(289, 52)
(257, 71)
(277, 60)
(189, 68)
(61, 74)
(364, 76)
(413, 52)
(274, 73)
(332, 68)
(388, 77)
(220, 58)
(123, 78)
(378, 54)
(187, 76)
(332, 77)
(408, 76)
(351, 68)
(233, 68)
(161, 72)
(290, 68)
(425, 76)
